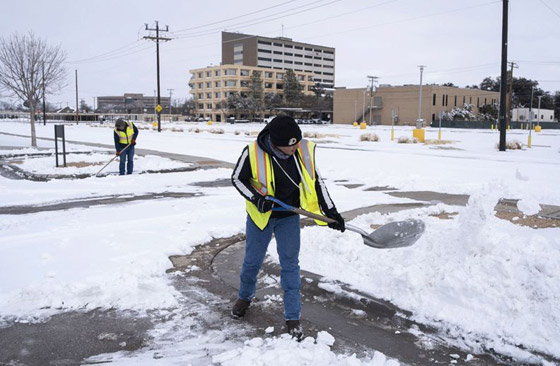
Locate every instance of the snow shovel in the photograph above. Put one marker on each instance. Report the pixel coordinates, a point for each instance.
(110, 161)
(392, 235)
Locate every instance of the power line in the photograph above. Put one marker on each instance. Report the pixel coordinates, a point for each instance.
(552, 10)
(236, 17)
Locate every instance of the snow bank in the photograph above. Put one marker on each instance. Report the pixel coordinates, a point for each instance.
(283, 350)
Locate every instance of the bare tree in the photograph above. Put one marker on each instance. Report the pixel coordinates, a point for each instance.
(30, 68)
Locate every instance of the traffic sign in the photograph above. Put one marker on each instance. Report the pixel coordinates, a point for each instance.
(159, 108)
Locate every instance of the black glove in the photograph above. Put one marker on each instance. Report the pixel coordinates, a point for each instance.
(263, 205)
(133, 142)
(339, 224)
(118, 153)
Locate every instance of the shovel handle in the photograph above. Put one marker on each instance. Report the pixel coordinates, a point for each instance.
(301, 211)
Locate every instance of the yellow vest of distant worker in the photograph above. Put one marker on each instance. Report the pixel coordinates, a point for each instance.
(125, 137)
(263, 180)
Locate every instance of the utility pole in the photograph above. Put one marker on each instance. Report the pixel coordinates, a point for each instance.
(372, 79)
(509, 104)
(503, 104)
(44, 112)
(530, 118)
(419, 121)
(77, 111)
(539, 110)
(157, 38)
(170, 94)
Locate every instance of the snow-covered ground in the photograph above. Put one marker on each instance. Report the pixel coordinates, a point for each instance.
(493, 283)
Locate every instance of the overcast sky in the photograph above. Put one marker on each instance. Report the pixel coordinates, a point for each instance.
(459, 41)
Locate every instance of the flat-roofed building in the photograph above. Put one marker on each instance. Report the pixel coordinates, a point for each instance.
(280, 53)
(211, 86)
(135, 103)
(357, 105)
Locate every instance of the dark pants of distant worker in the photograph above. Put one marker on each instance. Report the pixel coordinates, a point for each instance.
(128, 154)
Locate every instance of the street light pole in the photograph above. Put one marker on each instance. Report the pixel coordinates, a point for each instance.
(372, 79)
(419, 121)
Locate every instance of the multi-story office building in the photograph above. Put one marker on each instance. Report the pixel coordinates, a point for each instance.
(130, 103)
(211, 86)
(280, 53)
(402, 102)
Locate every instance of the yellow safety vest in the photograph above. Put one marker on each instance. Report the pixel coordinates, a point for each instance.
(263, 180)
(125, 137)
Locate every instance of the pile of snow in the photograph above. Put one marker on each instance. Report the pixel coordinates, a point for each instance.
(282, 350)
(481, 279)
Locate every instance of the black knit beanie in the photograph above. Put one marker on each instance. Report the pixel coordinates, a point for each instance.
(284, 131)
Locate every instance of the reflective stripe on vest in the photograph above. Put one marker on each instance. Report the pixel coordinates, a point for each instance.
(263, 180)
(125, 137)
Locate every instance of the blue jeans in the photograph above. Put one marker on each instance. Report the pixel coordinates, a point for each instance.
(127, 154)
(287, 233)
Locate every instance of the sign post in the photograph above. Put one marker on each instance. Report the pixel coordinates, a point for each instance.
(59, 133)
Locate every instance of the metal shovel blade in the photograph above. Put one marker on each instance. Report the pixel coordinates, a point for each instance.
(392, 235)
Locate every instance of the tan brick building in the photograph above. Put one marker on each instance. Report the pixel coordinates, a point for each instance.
(354, 104)
(212, 85)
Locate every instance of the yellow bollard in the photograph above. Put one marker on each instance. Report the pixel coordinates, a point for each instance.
(392, 134)
(529, 141)
(537, 128)
(439, 135)
(363, 126)
(209, 123)
(355, 124)
(508, 128)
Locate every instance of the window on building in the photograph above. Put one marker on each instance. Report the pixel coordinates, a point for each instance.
(218, 95)
(208, 74)
(231, 72)
(298, 63)
(208, 84)
(277, 44)
(446, 100)
(316, 65)
(218, 84)
(308, 64)
(209, 106)
(280, 86)
(328, 52)
(443, 99)
(268, 74)
(279, 76)
(230, 83)
(434, 99)
(288, 62)
(307, 56)
(200, 105)
(265, 43)
(268, 85)
(264, 59)
(218, 72)
(455, 101)
(243, 72)
(277, 52)
(328, 59)
(200, 85)
(208, 95)
(470, 100)
(288, 46)
(298, 55)
(310, 78)
(265, 51)
(301, 77)
(288, 54)
(277, 60)
(200, 95)
(244, 84)
(464, 100)
(477, 102)
(200, 75)
(308, 49)
(298, 47)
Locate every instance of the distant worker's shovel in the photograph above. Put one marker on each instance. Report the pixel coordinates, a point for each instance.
(392, 235)
(114, 157)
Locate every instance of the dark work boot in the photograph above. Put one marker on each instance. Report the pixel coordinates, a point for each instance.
(294, 329)
(240, 308)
